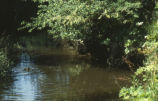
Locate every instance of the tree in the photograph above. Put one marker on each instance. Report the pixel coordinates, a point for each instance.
(102, 25)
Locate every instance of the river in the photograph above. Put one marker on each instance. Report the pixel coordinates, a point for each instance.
(51, 74)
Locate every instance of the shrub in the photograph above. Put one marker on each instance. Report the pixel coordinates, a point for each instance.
(145, 81)
(4, 64)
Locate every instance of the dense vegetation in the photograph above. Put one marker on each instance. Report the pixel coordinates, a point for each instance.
(101, 27)
(4, 65)
(104, 26)
(145, 80)
(12, 13)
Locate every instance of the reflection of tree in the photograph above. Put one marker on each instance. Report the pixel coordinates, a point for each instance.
(95, 83)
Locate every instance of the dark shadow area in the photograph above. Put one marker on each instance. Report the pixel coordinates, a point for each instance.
(13, 12)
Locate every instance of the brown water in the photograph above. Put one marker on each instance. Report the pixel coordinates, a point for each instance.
(45, 73)
(60, 75)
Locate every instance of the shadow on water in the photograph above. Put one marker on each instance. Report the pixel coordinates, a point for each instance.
(52, 74)
(62, 79)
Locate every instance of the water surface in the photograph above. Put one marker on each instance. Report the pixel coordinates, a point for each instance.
(52, 74)
(59, 75)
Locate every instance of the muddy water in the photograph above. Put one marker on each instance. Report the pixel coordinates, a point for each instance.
(47, 73)
(60, 75)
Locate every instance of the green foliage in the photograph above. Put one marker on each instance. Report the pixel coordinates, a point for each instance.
(72, 19)
(104, 26)
(4, 64)
(101, 24)
(145, 80)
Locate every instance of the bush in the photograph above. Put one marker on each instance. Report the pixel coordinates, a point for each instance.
(4, 64)
(145, 81)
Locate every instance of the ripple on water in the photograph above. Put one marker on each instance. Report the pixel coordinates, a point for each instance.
(68, 81)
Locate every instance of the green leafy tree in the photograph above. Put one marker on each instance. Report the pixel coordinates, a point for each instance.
(99, 24)
(72, 19)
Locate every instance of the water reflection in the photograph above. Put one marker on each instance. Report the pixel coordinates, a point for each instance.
(25, 86)
(60, 77)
